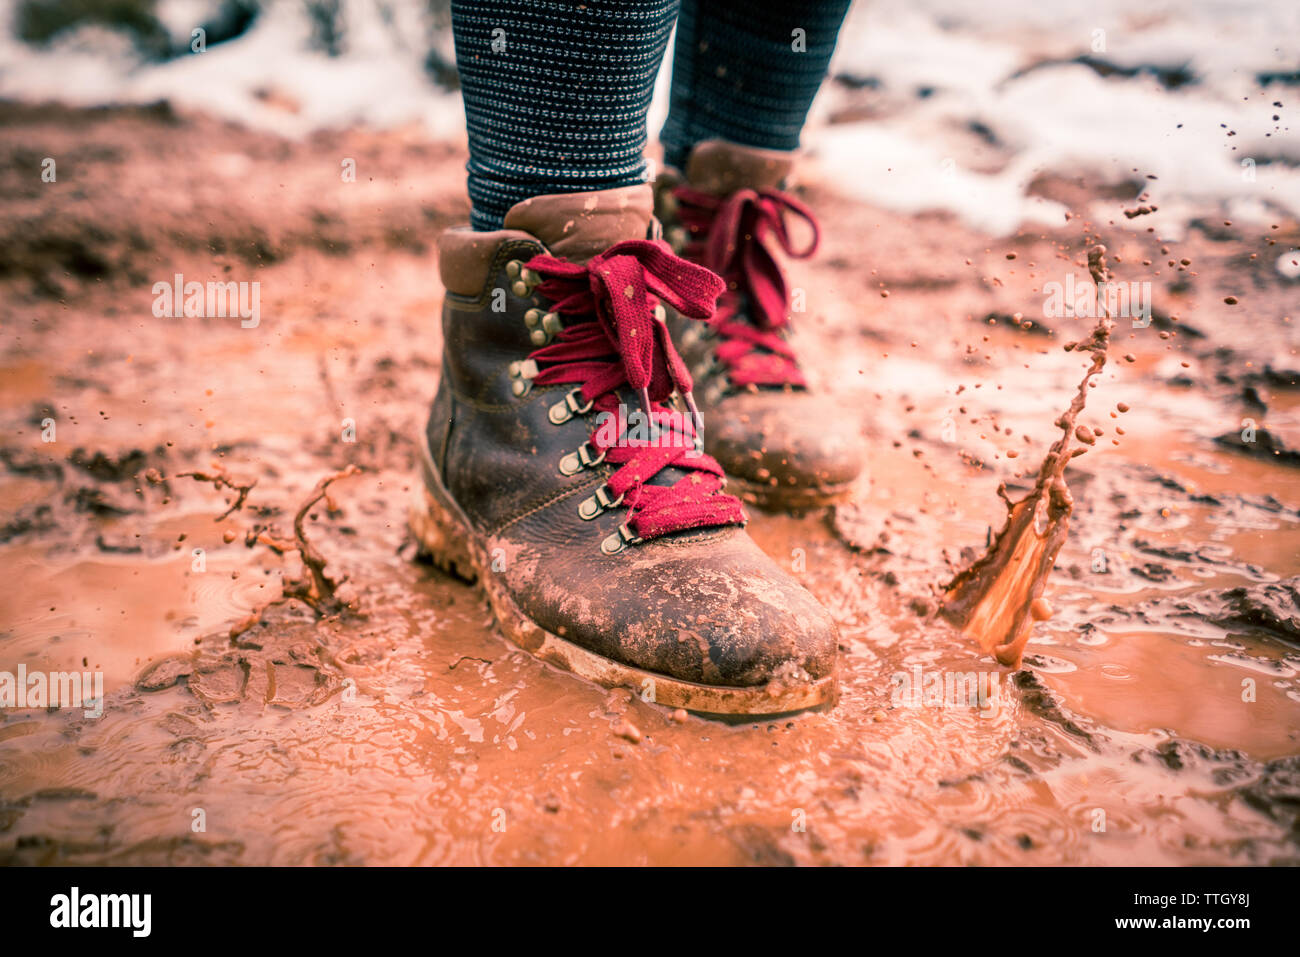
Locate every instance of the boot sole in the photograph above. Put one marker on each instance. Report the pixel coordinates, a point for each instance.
(444, 535)
(775, 498)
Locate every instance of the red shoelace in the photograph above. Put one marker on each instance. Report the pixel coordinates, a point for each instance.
(612, 337)
(729, 234)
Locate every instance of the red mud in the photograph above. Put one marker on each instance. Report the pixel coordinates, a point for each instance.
(1154, 721)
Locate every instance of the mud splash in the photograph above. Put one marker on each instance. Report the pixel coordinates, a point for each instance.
(996, 599)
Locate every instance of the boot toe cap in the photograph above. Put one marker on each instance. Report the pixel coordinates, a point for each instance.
(714, 611)
(786, 440)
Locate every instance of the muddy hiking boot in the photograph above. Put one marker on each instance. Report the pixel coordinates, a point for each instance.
(784, 445)
(562, 469)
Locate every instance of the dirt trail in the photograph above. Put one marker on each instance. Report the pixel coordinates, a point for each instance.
(1156, 718)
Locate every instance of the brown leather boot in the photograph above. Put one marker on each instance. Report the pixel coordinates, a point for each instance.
(602, 536)
(784, 446)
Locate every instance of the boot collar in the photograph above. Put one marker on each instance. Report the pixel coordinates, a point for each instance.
(577, 226)
(721, 168)
(574, 226)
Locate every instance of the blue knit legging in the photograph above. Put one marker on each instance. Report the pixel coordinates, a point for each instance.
(556, 91)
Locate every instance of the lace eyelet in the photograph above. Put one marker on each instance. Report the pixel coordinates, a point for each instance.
(522, 373)
(563, 411)
(575, 462)
(623, 537)
(544, 326)
(524, 280)
(589, 508)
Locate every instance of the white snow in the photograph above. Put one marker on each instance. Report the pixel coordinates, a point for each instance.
(1003, 65)
(378, 80)
(1006, 65)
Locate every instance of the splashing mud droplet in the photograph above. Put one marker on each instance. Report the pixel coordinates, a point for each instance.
(996, 599)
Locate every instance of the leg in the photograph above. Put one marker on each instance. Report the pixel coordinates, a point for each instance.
(743, 81)
(556, 95)
(746, 74)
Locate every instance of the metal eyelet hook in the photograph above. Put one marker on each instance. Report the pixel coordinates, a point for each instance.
(522, 374)
(574, 462)
(563, 411)
(589, 508)
(619, 540)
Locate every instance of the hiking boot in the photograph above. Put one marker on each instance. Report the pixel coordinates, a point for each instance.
(784, 445)
(557, 472)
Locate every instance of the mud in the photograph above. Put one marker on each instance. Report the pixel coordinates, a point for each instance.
(996, 598)
(1154, 721)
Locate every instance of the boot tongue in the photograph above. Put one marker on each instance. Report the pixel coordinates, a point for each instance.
(577, 226)
(720, 168)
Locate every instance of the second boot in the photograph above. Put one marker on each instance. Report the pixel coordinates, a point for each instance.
(784, 445)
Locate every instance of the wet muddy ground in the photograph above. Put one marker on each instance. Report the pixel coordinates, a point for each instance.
(1156, 719)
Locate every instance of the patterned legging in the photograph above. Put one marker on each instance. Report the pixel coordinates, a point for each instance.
(556, 91)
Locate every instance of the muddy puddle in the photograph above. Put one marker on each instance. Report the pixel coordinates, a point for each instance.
(1155, 719)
